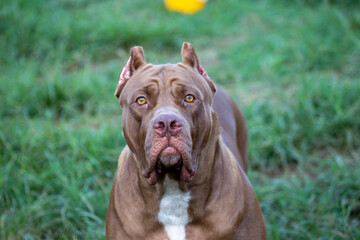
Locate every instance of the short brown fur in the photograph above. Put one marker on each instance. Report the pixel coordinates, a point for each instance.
(223, 204)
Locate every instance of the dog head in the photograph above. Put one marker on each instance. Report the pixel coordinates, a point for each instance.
(167, 114)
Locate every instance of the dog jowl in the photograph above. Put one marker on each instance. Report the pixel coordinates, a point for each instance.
(182, 174)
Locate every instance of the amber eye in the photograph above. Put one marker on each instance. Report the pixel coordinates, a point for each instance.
(189, 98)
(141, 100)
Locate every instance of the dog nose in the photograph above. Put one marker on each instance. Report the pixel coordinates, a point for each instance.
(167, 124)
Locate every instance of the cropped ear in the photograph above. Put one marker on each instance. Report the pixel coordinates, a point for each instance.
(136, 60)
(189, 57)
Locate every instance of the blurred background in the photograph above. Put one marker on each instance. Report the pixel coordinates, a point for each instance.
(292, 66)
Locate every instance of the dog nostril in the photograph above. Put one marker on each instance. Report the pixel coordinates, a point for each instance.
(159, 125)
(175, 124)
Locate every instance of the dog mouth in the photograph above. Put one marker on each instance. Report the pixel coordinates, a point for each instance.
(169, 157)
(170, 160)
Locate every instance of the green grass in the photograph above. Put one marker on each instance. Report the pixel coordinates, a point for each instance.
(293, 67)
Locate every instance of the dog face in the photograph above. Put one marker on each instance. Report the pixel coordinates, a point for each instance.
(167, 114)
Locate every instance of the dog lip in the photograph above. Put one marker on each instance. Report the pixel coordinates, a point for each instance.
(168, 150)
(187, 173)
(152, 171)
(169, 157)
(152, 177)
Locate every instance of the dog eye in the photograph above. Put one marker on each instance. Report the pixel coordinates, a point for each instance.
(189, 98)
(141, 100)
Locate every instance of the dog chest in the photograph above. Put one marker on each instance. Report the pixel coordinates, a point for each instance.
(173, 210)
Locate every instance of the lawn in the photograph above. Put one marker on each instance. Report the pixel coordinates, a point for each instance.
(292, 66)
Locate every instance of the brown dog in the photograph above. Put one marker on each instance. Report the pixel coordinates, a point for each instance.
(182, 174)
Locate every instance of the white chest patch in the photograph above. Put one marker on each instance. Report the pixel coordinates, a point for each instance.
(173, 210)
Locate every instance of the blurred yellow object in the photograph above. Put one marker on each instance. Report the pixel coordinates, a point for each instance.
(185, 6)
